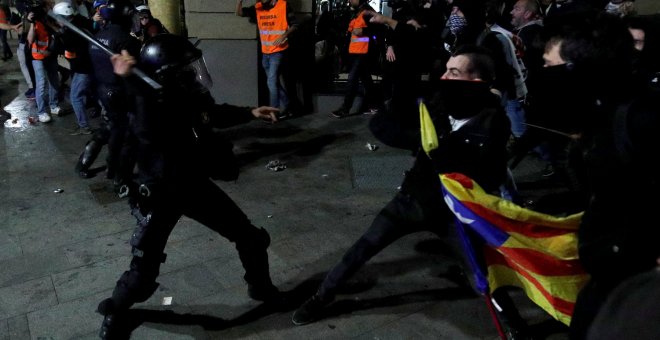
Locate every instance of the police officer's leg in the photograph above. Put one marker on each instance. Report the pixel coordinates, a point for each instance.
(92, 150)
(148, 242)
(113, 101)
(211, 206)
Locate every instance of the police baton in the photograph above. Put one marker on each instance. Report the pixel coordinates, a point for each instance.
(62, 21)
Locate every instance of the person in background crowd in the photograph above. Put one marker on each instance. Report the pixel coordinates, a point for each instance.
(360, 67)
(618, 147)
(621, 8)
(5, 15)
(645, 30)
(76, 51)
(23, 51)
(276, 21)
(148, 25)
(43, 43)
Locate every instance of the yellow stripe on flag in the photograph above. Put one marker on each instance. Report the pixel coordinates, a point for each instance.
(507, 208)
(563, 247)
(429, 136)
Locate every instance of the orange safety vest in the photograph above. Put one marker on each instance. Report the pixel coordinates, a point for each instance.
(40, 44)
(358, 45)
(272, 24)
(3, 17)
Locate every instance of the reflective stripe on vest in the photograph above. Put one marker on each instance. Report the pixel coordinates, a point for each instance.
(272, 25)
(40, 44)
(359, 44)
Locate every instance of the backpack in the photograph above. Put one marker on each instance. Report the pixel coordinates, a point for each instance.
(515, 54)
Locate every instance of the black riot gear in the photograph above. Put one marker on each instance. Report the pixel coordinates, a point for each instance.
(175, 61)
(176, 160)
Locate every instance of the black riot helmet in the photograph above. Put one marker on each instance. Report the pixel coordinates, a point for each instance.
(175, 62)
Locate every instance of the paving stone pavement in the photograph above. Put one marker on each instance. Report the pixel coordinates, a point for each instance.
(61, 253)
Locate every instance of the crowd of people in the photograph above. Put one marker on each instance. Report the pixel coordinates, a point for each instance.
(574, 81)
(578, 83)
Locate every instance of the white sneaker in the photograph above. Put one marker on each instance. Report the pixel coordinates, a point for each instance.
(55, 110)
(44, 118)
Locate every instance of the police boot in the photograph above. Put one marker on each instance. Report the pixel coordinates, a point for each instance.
(253, 255)
(115, 326)
(87, 157)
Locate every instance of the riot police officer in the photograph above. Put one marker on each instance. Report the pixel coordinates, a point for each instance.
(178, 155)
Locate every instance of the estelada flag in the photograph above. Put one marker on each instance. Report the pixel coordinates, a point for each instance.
(514, 246)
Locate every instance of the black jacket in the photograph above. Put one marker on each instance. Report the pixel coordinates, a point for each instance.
(477, 149)
(619, 235)
(175, 135)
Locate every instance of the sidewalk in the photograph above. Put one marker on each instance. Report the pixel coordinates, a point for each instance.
(61, 253)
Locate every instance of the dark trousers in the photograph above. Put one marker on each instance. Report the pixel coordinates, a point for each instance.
(120, 158)
(203, 201)
(589, 301)
(403, 215)
(6, 50)
(360, 71)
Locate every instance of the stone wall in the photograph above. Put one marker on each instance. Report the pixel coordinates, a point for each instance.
(230, 46)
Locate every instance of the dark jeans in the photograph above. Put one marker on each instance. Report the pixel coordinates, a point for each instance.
(360, 71)
(403, 215)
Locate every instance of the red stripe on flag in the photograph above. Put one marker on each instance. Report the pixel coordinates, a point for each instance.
(559, 304)
(542, 264)
(509, 225)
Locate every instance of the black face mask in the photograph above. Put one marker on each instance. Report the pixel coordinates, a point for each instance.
(563, 83)
(462, 98)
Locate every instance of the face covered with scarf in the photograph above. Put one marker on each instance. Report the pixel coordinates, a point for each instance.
(620, 8)
(462, 90)
(456, 21)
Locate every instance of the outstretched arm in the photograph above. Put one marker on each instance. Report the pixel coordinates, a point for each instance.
(8, 27)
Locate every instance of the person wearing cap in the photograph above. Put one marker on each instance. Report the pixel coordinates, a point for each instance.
(76, 51)
(148, 26)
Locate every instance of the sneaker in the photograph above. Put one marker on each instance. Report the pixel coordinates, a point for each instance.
(339, 113)
(44, 118)
(81, 131)
(371, 111)
(310, 311)
(55, 110)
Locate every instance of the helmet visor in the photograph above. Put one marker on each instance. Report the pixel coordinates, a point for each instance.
(202, 76)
